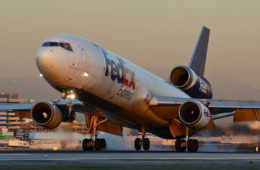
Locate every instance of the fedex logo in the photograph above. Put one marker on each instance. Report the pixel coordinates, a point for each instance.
(119, 72)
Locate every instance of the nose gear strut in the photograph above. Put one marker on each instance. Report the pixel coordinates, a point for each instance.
(70, 94)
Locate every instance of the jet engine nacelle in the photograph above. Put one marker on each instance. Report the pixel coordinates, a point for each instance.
(194, 114)
(46, 115)
(187, 80)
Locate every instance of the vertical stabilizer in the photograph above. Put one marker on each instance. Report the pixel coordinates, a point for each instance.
(198, 59)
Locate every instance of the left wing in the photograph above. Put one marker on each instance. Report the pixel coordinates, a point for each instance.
(241, 110)
(202, 116)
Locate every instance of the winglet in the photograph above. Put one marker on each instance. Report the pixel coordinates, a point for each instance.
(198, 59)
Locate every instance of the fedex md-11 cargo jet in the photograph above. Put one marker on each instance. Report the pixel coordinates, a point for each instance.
(114, 93)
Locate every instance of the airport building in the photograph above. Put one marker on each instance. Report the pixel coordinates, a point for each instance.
(8, 120)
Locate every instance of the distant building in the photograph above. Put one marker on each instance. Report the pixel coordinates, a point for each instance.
(8, 119)
(9, 122)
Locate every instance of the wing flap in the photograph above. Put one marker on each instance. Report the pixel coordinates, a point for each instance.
(177, 129)
(166, 112)
(110, 127)
(246, 115)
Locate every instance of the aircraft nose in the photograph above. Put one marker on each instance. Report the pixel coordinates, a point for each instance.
(43, 60)
(51, 65)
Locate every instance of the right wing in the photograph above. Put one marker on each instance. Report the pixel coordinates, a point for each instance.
(77, 106)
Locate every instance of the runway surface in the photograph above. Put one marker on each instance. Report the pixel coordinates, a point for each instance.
(124, 158)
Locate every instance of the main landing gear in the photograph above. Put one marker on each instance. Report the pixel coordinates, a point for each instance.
(94, 143)
(92, 120)
(182, 144)
(91, 145)
(145, 142)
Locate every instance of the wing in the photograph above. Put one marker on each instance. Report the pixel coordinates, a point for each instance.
(242, 111)
(112, 124)
(168, 109)
(23, 110)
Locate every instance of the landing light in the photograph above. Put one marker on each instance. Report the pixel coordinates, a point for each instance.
(41, 75)
(85, 74)
(72, 96)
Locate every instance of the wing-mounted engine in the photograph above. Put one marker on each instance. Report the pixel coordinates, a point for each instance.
(194, 114)
(49, 115)
(187, 80)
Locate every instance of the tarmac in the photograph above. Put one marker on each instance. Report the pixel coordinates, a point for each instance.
(125, 158)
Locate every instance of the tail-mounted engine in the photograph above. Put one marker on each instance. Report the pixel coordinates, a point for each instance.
(194, 114)
(49, 115)
(187, 80)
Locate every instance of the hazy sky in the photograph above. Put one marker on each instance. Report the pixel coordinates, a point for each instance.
(153, 34)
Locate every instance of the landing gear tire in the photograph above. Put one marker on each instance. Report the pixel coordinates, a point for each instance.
(100, 144)
(146, 144)
(193, 145)
(138, 144)
(180, 145)
(87, 145)
(84, 144)
(72, 116)
(103, 143)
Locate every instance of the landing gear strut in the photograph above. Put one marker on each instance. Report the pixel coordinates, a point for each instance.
(191, 144)
(145, 142)
(94, 143)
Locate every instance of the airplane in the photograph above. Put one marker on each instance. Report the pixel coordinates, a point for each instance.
(114, 93)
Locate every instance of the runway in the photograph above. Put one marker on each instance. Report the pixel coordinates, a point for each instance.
(125, 158)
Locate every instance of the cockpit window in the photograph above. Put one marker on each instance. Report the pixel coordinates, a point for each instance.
(64, 45)
(53, 44)
(46, 44)
(67, 46)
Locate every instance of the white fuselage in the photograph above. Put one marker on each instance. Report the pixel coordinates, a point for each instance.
(98, 72)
